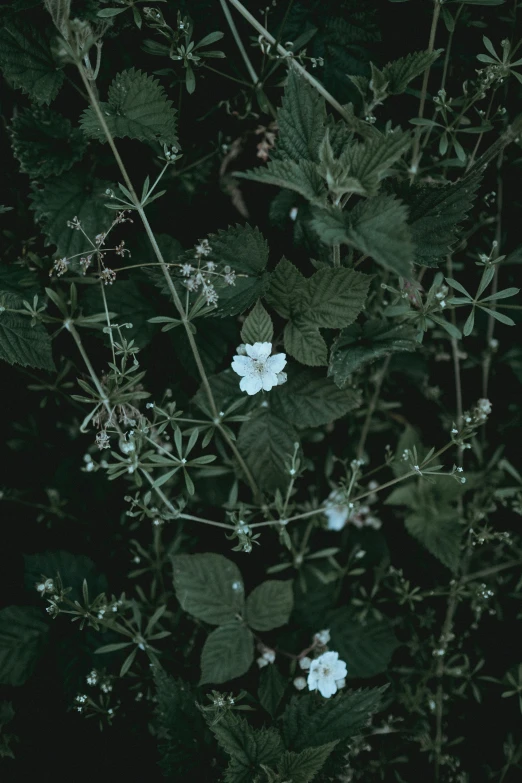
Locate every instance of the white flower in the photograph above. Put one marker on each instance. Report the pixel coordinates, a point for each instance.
(336, 512)
(326, 672)
(299, 683)
(323, 637)
(258, 369)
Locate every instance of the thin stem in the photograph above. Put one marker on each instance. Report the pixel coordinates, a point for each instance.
(239, 42)
(285, 53)
(371, 407)
(424, 89)
(336, 255)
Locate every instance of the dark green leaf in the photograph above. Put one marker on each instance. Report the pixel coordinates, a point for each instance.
(400, 73)
(310, 400)
(21, 343)
(269, 605)
(284, 284)
(303, 341)
(366, 647)
(258, 327)
(303, 767)
(208, 586)
(267, 444)
(248, 748)
(27, 63)
(300, 120)
(272, 686)
(23, 633)
(227, 653)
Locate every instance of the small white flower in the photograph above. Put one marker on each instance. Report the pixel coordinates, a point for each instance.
(305, 663)
(259, 370)
(323, 637)
(336, 511)
(325, 672)
(299, 683)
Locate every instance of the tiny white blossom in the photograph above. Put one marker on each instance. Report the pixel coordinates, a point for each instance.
(325, 674)
(299, 683)
(305, 663)
(259, 370)
(336, 511)
(268, 656)
(323, 637)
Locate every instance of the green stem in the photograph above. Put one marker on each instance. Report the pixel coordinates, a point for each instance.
(431, 44)
(239, 42)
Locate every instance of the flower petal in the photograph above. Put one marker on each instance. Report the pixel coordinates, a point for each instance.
(276, 362)
(259, 351)
(269, 380)
(337, 517)
(251, 384)
(281, 378)
(242, 365)
(327, 687)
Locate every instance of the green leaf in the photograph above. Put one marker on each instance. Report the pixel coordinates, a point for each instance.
(138, 108)
(303, 767)
(335, 297)
(227, 653)
(357, 346)
(302, 177)
(179, 722)
(284, 284)
(74, 194)
(309, 722)
(27, 63)
(269, 605)
(258, 327)
(128, 301)
(368, 161)
(303, 341)
(300, 120)
(400, 73)
(45, 143)
(73, 569)
(267, 444)
(439, 531)
(23, 633)
(209, 587)
(248, 748)
(366, 647)
(308, 399)
(21, 343)
(245, 250)
(377, 227)
(435, 214)
(272, 686)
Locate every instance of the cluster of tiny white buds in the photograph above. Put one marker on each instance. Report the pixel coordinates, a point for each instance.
(120, 249)
(46, 587)
(60, 266)
(108, 276)
(92, 678)
(102, 440)
(203, 249)
(74, 223)
(85, 263)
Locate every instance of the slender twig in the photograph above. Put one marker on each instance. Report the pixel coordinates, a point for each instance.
(424, 89)
(233, 29)
(371, 407)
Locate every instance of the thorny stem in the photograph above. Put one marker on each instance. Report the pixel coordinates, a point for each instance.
(424, 89)
(285, 53)
(175, 297)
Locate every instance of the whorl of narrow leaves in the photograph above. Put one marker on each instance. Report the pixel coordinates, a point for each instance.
(23, 633)
(45, 142)
(137, 107)
(399, 73)
(27, 63)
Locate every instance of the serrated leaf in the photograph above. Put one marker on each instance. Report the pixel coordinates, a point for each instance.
(21, 343)
(358, 346)
(27, 63)
(227, 653)
(366, 647)
(267, 443)
(300, 119)
(309, 722)
(368, 161)
(137, 108)
(303, 767)
(335, 297)
(258, 327)
(303, 341)
(400, 73)
(269, 605)
(23, 633)
(209, 587)
(248, 748)
(302, 177)
(272, 686)
(308, 399)
(284, 282)
(45, 143)
(74, 194)
(439, 531)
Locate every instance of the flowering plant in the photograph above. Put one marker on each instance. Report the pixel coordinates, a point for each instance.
(297, 559)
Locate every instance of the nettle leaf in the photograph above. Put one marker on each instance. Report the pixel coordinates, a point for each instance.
(308, 399)
(309, 722)
(227, 653)
(21, 343)
(400, 73)
(435, 214)
(245, 250)
(368, 161)
(74, 194)
(284, 282)
(269, 605)
(301, 177)
(23, 633)
(209, 587)
(248, 748)
(357, 346)
(45, 142)
(138, 108)
(366, 647)
(335, 297)
(267, 444)
(303, 767)
(258, 327)
(303, 341)
(377, 227)
(272, 686)
(27, 63)
(300, 119)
